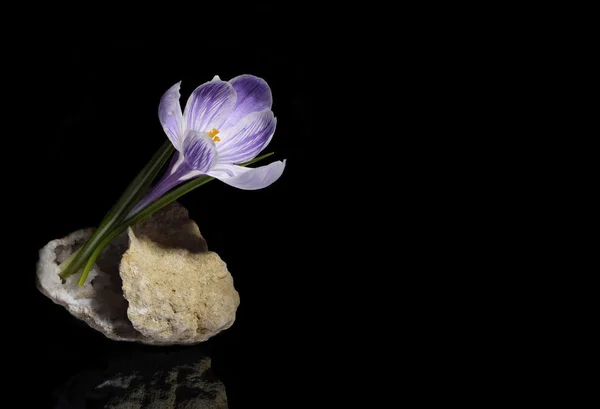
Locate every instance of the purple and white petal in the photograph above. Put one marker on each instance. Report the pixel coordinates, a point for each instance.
(248, 138)
(176, 162)
(248, 178)
(169, 114)
(209, 105)
(253, 95)
(177, 172)
(199, 151)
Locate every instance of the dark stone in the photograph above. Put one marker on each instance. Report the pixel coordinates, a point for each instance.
(174, 379)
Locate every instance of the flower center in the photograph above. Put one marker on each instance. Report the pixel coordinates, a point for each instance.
(213, 134)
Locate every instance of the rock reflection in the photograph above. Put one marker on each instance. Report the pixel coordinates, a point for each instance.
(173, 378)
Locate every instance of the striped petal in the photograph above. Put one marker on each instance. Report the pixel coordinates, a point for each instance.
(245, 140)
(253, 95)
(209, 105)
(199, 151)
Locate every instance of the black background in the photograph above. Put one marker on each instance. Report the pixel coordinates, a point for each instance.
(87, 120)
(364, 235)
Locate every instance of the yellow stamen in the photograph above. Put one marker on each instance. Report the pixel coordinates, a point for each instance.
(213, 134)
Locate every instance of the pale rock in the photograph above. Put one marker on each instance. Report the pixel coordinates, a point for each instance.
(157, 284)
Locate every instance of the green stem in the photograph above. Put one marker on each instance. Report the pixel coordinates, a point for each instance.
(120, 210)
(177, 193)
(68, 260)
(147, 211)
(96, 253)
(140, 184)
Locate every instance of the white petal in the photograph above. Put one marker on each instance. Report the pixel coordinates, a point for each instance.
(248, 178)
(169, 114)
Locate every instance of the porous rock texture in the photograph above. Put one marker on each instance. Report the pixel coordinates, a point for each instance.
(157, 284)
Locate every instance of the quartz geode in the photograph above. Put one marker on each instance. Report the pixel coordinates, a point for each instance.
(156, 284)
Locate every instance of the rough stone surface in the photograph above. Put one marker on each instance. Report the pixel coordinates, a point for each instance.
(158, 380)
(100, 301)
(158, 284)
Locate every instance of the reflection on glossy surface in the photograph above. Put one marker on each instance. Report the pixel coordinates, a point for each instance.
(174, 378)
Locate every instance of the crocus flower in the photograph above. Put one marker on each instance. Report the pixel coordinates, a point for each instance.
(224, 123)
